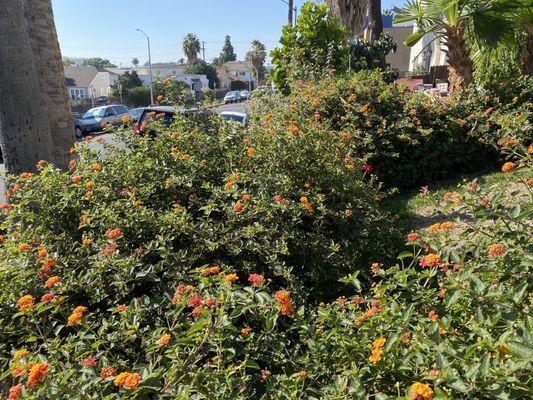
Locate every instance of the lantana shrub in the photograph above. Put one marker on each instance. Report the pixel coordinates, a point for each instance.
(99, 300)
(407, 139)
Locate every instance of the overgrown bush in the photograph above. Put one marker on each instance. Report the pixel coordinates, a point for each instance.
(449, 321)
(407, 139)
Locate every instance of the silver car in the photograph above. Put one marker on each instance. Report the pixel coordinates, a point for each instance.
(97, 118)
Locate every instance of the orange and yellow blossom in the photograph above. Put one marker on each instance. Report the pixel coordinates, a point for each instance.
(231, 278)
(76, 315)
(25, 303)
(377, 350)
(430, 260)
(52, 281)
(508, 167)
(283, 297)
(37, 374)
(15, 392)
(164, 339)
(22, 353)
(421, 391)
(210, 271)
(495, 250)
(128, 380)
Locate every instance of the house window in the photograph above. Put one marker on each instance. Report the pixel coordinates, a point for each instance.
(76, 94)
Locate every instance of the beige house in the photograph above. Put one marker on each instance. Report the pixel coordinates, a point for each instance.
(237, 75)
(87, 83)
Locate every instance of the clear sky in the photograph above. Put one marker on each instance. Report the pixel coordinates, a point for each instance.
(106, 28)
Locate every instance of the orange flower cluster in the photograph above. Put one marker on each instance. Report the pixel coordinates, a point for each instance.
(367, 314)
(37, 374)
(15, 392)
(306, 204)
(377, 350)
(230, 278)
(246, 331)
(180, 291)
(52, 281)
(421, 391)
(433, 316)
(47, 297)
(25, 303)
(77, 315)
(210, 271)
(113, 234)
(108, 373)
(375, 267)
(251, 152)
(163, 340)
(448, 225)
(430, 260)
(238, 207)
(89, 362)
(283, 297)
(508, 167)
(22, 353)
(97, 167)
(128, 380)
(24, 247)
(280, 199)
(496, 250)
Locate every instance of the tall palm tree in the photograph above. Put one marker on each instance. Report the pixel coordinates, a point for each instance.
(24, 131)
(47, 57)
(375, 23)
(191, 47)
(257, 56)
(455, 22)
(349, 13)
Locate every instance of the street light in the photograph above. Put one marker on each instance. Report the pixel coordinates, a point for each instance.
(150, 67)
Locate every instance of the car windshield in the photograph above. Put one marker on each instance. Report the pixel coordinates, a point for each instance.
(136, 112)
(94, 112)
(238, 118)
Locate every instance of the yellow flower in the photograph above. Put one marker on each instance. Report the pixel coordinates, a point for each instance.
(231, 278)
(163, 340)
(25, 303)
(421, 391)
(508, 167)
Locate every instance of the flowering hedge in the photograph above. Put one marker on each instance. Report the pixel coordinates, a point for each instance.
(448, 320)
(408, 139)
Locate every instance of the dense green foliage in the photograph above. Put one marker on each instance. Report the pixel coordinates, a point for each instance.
(226, 54)
(408, 139)
(98, 63)
(201, 67)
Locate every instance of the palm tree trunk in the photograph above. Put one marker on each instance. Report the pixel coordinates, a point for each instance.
(374, 20)
(47, 57)
(460, 65)
(24, 131)
(349, 13)
(527, 58)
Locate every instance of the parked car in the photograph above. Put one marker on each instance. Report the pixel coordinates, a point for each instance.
(245, 94)
(96, 118)
(136, 113)
(101, 100)
(241, 118)
(232, 97)
(166, 115)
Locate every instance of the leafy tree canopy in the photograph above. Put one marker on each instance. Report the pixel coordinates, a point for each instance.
(201, 67)
(227, 53)
(98, 63)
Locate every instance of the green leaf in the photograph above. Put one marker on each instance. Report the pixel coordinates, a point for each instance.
(414, 38)
(521, 350)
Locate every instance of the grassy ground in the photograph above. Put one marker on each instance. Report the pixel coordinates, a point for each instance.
(416, 210)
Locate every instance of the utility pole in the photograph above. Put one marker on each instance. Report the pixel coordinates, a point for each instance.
(150, 67)
(203, 50)
(291, 9)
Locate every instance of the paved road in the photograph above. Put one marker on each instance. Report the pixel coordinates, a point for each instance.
(109, 137)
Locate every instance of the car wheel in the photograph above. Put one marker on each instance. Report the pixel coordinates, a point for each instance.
(79, 133)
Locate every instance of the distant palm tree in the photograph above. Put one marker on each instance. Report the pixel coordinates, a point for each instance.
(191, 47)
(257, 56)
(455, 23)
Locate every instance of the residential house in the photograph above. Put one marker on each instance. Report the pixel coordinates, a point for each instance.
(85, 83)
(237, 75)
(196, 82)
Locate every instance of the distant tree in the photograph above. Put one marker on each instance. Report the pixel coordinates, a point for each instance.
(257, 56)
(135, 62)
(181, 61)
(227, 53)
(130, 80)
(98, 63)
(67, 61)
(191, 47)
(201, 67)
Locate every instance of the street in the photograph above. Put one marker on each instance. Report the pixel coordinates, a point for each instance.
(109, 137)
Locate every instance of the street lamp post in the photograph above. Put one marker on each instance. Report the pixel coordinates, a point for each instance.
(291, 10)
(150, 67)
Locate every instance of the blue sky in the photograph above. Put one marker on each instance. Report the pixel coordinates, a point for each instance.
(106, 28)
